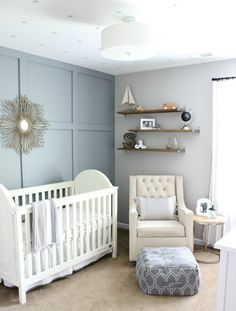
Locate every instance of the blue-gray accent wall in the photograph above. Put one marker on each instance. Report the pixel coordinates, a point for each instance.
(79, 106)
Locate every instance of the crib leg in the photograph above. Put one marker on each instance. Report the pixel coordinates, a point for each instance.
(114, 250)
(22, 295)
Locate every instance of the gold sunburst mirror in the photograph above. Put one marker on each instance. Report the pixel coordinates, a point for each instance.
(22, 124)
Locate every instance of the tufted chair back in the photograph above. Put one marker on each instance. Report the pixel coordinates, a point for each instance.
(156, 186)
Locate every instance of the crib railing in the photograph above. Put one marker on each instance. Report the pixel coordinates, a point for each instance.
(86, 225)
(33, 194)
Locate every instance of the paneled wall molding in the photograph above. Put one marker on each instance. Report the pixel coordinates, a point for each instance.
(79, 106)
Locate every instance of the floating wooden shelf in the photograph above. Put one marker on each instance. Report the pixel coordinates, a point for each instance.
(182, 150)
(155, 130)
(144, 111)
(165, 130)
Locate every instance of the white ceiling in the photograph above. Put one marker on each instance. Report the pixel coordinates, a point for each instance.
(69, 30)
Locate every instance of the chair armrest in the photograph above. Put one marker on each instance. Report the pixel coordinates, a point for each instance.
(186, 218)
(133, 221)
(133, 218)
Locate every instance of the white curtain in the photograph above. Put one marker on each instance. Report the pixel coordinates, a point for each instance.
(223, 171)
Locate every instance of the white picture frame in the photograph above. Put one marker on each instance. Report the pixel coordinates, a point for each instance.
(147, 124)
(203, 206)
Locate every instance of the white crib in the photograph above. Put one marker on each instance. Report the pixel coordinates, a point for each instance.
(86, 222)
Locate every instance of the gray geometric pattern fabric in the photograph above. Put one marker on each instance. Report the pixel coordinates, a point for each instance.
(167, 271)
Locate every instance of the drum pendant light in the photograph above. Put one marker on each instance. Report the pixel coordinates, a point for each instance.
(127, 42)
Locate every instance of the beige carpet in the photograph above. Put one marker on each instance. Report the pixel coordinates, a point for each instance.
(110, 284)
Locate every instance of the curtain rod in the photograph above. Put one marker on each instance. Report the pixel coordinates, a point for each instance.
(224, 78)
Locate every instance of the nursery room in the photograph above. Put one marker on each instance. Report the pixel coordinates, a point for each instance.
(117, 171)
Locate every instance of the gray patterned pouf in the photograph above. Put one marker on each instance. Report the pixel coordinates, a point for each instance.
(171, 271)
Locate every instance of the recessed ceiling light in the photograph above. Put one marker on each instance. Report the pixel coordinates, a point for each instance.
(13, 36)
(200, 55)
(118, 12)
(70, 15)
(41, 44)
(64, 52)
(78, 41)
(206, 54)
(194, 55)
(102, 63)
(24, 22)
(85, 57)
(54, 32)
(35, 1)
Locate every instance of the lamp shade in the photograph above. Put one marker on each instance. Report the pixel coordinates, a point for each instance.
(127, 42)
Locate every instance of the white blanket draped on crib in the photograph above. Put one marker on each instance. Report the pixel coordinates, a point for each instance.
(44, 224)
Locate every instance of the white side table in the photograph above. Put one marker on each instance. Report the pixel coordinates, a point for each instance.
(203, 220)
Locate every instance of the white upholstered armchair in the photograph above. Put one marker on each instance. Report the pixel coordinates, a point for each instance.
(158, 233)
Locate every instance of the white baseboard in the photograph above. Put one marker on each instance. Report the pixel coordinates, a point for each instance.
(122, 225)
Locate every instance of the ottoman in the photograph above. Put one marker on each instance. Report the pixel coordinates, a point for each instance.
(170, 271)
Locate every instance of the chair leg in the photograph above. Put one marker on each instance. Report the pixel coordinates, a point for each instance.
(22, 295)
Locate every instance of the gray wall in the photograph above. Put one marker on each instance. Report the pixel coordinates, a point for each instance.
(189, 86)
(79, 105)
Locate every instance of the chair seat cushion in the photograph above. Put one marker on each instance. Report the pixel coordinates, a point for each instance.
(160, 228)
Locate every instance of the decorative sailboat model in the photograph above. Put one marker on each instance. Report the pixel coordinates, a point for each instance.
(128, 101)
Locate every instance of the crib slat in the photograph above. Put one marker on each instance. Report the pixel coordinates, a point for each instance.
(46, 264)
(93, 223)
(54, 248)
(36, 196)
(87, 225)
(19, 248)
(52, 194)
(43, 195)
(23, 199)
(114, 223)
(71, 191)
(104, 220)
(18, 200)
(37, 262)
(60, 193)
(67, 231)
(99, 222)
(109, 218)
(54, 255)
(81, 227)
(60, 231)
(28, 244)
(74, 231)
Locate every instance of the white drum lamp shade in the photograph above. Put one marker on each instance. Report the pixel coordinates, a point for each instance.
(127, 42)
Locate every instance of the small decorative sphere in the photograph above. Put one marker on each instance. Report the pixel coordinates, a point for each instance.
(186, 116)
